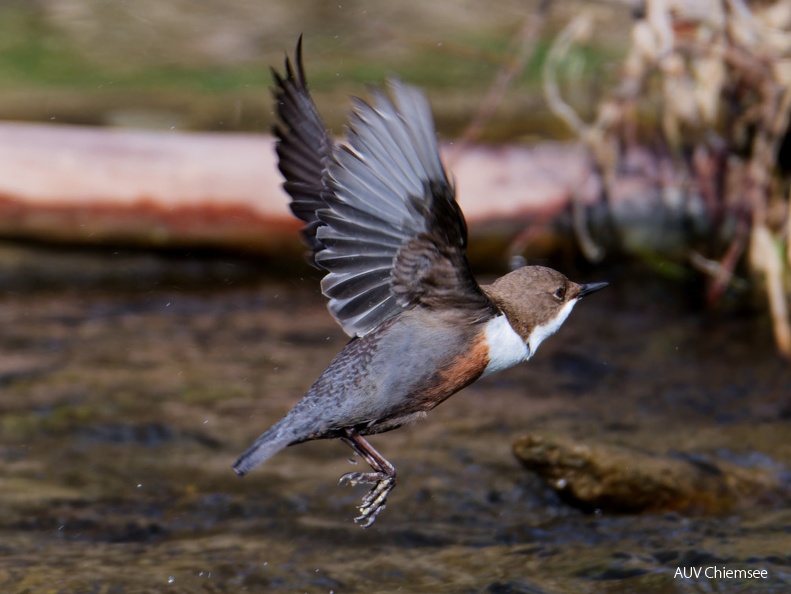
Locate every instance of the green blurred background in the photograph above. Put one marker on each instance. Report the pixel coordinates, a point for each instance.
(203, 64)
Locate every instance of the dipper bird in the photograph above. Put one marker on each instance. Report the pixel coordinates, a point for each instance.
(382, 221)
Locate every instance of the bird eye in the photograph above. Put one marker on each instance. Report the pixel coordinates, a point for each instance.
(560, 293)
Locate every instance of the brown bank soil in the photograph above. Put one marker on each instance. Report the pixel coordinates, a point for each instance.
(124, 405)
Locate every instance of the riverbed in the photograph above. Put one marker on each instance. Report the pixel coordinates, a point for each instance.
(127, 398)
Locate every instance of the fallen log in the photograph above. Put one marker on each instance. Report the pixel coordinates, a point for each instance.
(154, 189)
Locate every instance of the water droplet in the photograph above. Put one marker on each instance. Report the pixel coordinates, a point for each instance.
(352, 461)
(171, 580)
(139, 485)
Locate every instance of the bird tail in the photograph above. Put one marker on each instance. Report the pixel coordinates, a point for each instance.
(266, 446)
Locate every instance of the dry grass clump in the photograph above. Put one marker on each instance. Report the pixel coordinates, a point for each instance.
(706, 88)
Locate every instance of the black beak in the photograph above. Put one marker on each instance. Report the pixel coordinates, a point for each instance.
(590, 288)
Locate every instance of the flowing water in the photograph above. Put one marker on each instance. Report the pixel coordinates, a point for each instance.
(124, 404)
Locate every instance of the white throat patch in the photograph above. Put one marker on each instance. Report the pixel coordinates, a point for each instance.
(544, 331)
(506, 347)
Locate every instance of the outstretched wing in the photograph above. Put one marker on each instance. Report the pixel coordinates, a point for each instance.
(304, 147)
(385, 223)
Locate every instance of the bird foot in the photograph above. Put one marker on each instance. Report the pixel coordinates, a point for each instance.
(383, 478)
(374, 501)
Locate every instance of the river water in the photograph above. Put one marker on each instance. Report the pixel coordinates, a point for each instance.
(125, 402)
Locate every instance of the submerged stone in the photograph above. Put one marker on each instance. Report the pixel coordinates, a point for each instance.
(620, 479)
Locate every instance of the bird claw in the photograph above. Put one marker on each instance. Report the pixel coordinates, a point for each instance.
(374, 501)
(348, 479)
(367, 517)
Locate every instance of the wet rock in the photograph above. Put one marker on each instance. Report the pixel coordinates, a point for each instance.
(620, 479)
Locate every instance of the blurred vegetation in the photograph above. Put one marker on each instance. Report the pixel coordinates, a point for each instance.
(203, 65)
(701, 111)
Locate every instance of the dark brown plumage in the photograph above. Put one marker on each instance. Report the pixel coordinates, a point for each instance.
(382, 220)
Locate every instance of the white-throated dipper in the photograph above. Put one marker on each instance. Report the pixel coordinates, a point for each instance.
(383, 221)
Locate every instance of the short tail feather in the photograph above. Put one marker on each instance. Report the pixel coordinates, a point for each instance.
(266, 446)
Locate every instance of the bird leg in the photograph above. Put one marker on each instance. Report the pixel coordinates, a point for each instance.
(383, 478)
